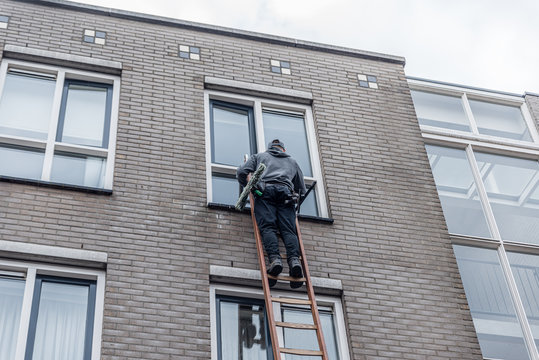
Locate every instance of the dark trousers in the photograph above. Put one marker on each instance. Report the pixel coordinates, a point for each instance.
(274, 216)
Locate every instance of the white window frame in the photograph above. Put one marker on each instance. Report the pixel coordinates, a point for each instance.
(472, 142)
(259, 104)
(30, 270)
(250, 293)
(51, 145)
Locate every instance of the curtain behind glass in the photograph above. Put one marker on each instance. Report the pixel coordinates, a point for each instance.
(11, 294)
(61, 322)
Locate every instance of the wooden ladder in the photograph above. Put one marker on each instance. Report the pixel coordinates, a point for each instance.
(269, 300)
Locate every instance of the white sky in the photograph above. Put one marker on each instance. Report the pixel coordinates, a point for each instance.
(491, 44)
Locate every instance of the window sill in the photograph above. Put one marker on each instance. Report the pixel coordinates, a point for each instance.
(56, 185)
(316, 219)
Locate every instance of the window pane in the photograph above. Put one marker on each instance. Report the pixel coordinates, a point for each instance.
(85, 115)
(308, 207)
(290, 129)
(11, 293)
(231, 135)
(500, 120)
(526, 272)
(61, 322)
(457, 191)
(225, 190)
(21, 162)
(440, 111)
(16, 116)
(511, 184)
(78, 170)
(306, 339)
(496, 324)
(242, 332)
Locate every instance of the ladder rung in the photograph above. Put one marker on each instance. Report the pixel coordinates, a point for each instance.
(291, 301)
(301, 352)
(296, 325)
(285, 278)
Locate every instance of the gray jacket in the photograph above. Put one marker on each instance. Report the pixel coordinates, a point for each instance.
(280, 168)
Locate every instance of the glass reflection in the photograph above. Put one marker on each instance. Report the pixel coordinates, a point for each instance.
(290, 129)
(242, 332)
(78, 170)
(16, 116)
(85, 115)
(306, 339)
(511, 185)
(499, 120)
(225, 190)
(525, 269)
(21, 162)
(231, 134)
(457, 191)
(440, 111)
(495, 321)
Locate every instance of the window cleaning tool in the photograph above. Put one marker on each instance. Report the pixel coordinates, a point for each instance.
(251, 184)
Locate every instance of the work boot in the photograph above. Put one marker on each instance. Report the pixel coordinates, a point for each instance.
(296, 271)
(275, 267)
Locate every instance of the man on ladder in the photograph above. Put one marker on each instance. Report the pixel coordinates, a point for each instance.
(279, 189)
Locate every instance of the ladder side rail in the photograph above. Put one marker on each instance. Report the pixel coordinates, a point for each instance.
(310, 292)
(265, 285)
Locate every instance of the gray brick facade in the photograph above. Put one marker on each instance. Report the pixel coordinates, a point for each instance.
(388, 245)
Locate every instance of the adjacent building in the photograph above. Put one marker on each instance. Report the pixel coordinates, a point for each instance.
(120, 134)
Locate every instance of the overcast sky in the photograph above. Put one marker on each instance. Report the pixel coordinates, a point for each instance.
(491, 44)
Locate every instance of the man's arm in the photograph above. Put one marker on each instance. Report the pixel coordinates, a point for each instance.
(248, 167)
(299, 183)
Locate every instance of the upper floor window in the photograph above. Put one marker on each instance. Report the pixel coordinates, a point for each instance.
(57, 124)
(239, 125)
(468, 112)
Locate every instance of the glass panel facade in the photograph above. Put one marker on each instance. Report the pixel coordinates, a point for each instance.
(11, 294)
(242, 331)
(79, 170)
(457, 191)
(511, 185)
(61, 322)
(525, 269)
(306, 339)
(440, 111)
(290, 129)
(21, 162)
(231, 135)
(17, 118)
(85, 115)
(500, 120)
(495, 321)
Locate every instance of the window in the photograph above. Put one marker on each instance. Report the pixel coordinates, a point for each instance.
(50, 312)
(241, 330)
(239, 125)
(466, 111)
(488, 185)
(68, 133)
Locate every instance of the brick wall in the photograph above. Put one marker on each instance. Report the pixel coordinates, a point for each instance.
(532, 100)
(389, 246)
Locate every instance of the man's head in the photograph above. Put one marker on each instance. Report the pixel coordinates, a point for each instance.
(277, 143)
